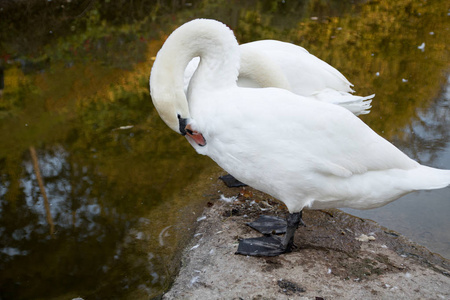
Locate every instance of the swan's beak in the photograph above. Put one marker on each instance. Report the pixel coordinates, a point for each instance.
(195, 135)
(186, 129)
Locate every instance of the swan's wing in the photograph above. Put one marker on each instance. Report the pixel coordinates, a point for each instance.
(347, 142)
(259, 70)
(297, 130)
(306, 73)
(292, 67)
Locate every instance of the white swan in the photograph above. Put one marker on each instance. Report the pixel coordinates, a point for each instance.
(270, 63)
(304, 152)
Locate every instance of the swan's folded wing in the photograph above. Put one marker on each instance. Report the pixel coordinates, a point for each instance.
(325, 135)
(330, 168)
(341, 139)
(306, 73)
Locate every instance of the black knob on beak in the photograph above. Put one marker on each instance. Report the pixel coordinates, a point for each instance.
(182, 125)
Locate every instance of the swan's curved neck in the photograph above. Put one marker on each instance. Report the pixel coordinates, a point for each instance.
(210, 40)
(218, 50)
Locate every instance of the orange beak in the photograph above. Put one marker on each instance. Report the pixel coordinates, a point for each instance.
(195, 135)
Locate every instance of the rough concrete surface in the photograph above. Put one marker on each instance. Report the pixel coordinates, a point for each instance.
(337, 256)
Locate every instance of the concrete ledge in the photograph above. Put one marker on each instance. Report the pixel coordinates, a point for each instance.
(338, 256)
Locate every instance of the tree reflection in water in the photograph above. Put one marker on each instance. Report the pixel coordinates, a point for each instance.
(80, 225)
(433, 122)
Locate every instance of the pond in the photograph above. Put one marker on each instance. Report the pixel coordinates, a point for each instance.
(98, 196)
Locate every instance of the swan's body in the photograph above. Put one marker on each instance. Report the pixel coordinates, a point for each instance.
(270, 63)
(304, 152)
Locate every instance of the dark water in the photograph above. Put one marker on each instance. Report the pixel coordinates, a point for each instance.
(97, 195)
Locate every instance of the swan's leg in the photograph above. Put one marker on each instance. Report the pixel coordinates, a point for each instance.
(271, 224)
(271, 245)
(293, 221)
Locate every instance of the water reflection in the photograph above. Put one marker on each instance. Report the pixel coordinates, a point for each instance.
(78, 223)
(122, 188)
(427, 137)
(101, 234)
(423, 216)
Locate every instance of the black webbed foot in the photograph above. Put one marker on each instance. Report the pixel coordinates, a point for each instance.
(261, 246)
(271, 245)
(271, 224)
(230, 181)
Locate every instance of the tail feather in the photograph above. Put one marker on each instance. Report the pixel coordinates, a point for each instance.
(427, 178)
(359, 105)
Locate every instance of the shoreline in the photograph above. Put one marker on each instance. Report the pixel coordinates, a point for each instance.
(338, 256)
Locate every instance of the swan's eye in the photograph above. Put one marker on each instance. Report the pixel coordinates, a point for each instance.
(178, 116)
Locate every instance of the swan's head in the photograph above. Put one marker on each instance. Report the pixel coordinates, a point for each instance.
(168, 95)
(174, 111)
(172, 107)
